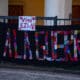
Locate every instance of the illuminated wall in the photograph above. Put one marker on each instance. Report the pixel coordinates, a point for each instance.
(34, 7)
(16, 2)
(76, 2)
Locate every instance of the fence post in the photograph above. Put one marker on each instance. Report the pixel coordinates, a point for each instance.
(55, 21)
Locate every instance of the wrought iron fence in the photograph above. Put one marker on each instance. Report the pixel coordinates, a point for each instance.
(50, 41)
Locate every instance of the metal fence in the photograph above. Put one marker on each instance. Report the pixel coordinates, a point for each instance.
(43, 20)
(50, 41)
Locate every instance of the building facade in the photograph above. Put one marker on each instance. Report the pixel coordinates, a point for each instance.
(51, 8)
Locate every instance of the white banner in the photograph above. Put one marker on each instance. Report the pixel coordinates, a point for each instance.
(27, 23)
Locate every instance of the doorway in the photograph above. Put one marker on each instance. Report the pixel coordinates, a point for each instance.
(76, 14)
(15, 10)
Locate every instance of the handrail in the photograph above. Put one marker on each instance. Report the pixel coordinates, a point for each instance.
(72, 19)
(38, 18)
(54, 19)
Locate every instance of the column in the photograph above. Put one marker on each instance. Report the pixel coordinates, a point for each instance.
(3, 9)
(51, 8)
(68, 10)
(60, 8)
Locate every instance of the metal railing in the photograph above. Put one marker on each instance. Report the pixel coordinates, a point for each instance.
(45, 41)
(48, 21)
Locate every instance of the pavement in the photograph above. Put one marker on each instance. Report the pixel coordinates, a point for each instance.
(21, 74)
(51, 69)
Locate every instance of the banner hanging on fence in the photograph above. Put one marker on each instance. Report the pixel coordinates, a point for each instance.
(27, 23)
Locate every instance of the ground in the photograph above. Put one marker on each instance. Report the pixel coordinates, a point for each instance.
(21, 74)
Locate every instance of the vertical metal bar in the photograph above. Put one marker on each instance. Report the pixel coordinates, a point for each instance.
(55, 21)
